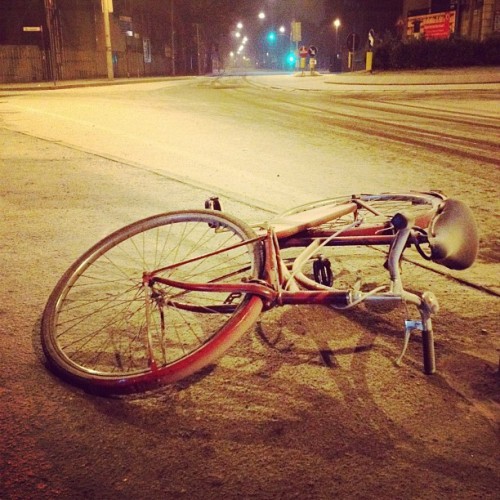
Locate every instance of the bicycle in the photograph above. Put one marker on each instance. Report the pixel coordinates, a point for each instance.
(163, 297)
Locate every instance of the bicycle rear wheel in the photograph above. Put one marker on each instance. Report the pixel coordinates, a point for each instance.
(103, 328)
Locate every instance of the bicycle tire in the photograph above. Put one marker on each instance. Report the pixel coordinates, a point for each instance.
(96, 330)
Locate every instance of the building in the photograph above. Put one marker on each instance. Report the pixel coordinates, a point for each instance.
(44, 40)
(474, 19)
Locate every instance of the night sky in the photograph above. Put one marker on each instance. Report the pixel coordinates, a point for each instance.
(316, 15)
(380, 13)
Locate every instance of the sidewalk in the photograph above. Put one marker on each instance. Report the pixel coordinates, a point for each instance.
(421, 77)
(320, 81)
(361, 80)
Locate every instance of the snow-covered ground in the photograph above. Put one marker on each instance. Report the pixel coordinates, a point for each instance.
(273, 419)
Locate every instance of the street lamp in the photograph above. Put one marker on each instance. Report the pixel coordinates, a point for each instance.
(336, 24)
(281, 47)
(262, 15)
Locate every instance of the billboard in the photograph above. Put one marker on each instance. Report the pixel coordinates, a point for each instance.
(432, 26)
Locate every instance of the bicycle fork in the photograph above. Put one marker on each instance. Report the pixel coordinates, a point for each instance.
(426, 304)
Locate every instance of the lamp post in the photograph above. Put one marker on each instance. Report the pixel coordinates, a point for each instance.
(49, 8)
(172, 35)
(242, 40)
(262, 41)
(336, 24)
(281, 51)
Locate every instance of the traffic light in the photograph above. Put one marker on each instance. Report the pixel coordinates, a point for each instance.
(271, 37)
(290, 59)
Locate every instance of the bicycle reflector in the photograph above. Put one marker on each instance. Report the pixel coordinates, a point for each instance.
(453, 236)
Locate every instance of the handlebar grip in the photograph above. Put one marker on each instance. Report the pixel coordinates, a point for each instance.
(428, 352)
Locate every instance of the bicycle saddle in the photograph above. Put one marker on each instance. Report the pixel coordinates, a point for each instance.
(453, 236)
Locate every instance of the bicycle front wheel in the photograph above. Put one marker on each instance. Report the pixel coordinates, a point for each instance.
(375, 210)
(351, 256)
(107, 330)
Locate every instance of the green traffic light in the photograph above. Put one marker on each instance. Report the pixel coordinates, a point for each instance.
(271, 36)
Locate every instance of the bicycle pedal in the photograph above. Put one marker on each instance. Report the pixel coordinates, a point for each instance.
(213, 203)
(322, 269)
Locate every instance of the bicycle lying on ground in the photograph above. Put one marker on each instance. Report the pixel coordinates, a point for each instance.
(160, 299)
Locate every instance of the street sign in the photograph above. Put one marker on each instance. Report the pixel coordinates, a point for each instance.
(146, 48)
(353, 41)
(313, 51)
(296, 31)
(371, 38)
(303, 52)
(32, 28)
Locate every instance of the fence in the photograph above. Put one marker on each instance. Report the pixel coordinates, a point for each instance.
(28, 63)
(80, 64)
(22, 63)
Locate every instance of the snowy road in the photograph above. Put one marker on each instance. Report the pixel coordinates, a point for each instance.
(273, 419)
(271, 147)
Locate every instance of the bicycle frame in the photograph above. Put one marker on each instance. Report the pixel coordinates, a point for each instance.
(279, 286)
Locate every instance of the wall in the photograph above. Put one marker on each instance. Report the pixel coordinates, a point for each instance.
(77, 33)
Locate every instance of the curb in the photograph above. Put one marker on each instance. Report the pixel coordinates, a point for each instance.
(359, 78)
(70, 84)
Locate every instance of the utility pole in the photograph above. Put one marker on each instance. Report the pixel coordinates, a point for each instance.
(107, 7)
(472, 8)
(173, 35)
(198, 48)
(49, 20)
